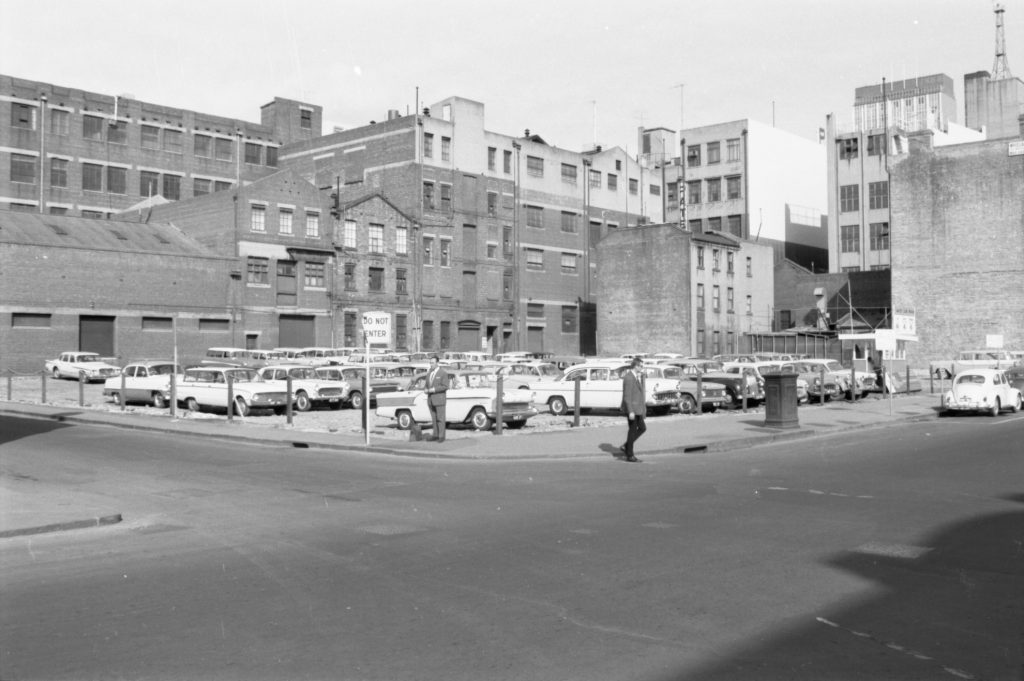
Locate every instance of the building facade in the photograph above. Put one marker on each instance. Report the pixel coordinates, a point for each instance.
(72, 152)
(993, 105)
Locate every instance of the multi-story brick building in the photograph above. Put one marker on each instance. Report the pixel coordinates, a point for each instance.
(118, 288)
(504, 226)
(69, 151)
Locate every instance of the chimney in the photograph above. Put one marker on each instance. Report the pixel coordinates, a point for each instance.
(526, 133)
(393, 114)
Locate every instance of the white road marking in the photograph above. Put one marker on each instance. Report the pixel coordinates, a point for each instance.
(816, 492)
(893, 550)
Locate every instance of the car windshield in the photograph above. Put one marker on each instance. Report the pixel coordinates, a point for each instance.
(302, 372)
(833, 365)
(329, 374)
(244, 375)
(976, 379)
(548, 370)
(163, 370)
(672, 372)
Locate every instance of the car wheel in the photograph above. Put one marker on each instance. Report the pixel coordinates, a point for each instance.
(687, 405)
(404, 419)
(302, 401)
(479, 419)
(192, 404)
(159, 401)
(115, 397)
(241, 408)
(56, 373)
(995, 408)
(356, 400)
(1015, 407)
(557, 406)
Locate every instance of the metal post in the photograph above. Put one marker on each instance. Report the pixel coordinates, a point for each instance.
(499, 420)
(576, 401)
(908, 379)
(174, 391)
(121, 395)
(81, 388)
(288, 398)
(700, 394)
(231, 395)
(43, 400)
(853, 384)
(821, 397)
(10, 380)
(744, 389)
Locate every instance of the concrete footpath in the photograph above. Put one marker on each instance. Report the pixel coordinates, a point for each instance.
(54, 508)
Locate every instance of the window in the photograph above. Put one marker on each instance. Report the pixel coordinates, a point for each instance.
(849, 198)
(492, 158)
(401, 240)
(716, 298)
(314, 274)
(446, 148)
(23, 116)
(446, 197)
(879, 236)
(117, 180)
(696, 226)
(506, 287)
(446, 252)
(534, 259)
(428, 195)
(732, 150)
(219, 186)
(313, 225)
(428, 145)
(535, 310)
(92, 127)
(715, 225)
(568, 263)
(506, 241)
(200, 187)
(693, 155)
(92, 177)
(172, 187)
(258, 271)
(284, 221)
(716, 260)
(568, 173)
(39, 320)
(401, 283)
(534, 166)
(149, 183)
(401, 331)
(700, 296)
(634, 186)
(595, 179)
(876, 145)
(730, 262)
(350, 276)
(376, 278)
(150, 137)
(222, 148)
(730, 299)
(750, 305)
(878, 194)
(428, 334)
(58, 172)
(376, 238)
(271, 157)
(507, 162)
(428, 250)
(850, 239)
(735, 225)
(700, 257)
(60, 122)
(714, 189)
(655, 190)
(89, 213)
(23, 169)
(750, 267)
(117, 132)
(716, 342)
(348, 238)
(848, 148)
(613, 182)
(492, 251)
(306, 119)
(253, 153)
(714, 152)
(257, 218)
(570, 319)
(172, 141)
(732, 187)
(202, 146)
(535, 217)
(157, 324)
(446, 335)
(569, 222)
(492, 203)
(693, 192)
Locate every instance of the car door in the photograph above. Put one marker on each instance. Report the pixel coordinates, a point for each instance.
(603, 388)
(134, 383)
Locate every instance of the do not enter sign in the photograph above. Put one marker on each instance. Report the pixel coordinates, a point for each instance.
(377, 327)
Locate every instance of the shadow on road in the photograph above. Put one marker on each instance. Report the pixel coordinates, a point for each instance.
(14, 428)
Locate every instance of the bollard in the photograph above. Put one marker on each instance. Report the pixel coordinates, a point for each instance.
(231, 395)
(81, 388)
(853, 384)
(700, 394)
(288, 399)
(821, 397)
(499, 416)
(121, 397)
(10, 380)
(576, 402)
(174, 394)
(366, 405)
(908, 379)
(44, 388)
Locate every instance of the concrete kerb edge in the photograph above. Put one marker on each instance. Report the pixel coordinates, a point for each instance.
(63, 526)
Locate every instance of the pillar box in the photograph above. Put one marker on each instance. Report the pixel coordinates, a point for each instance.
(780, 401)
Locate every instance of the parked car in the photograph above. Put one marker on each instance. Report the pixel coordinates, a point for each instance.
(971, 359)
(145, 381)
(522, 374)
(601, 388)
(353, 375)
(984, 390)
(735, 384)
(1015, 376)
(471, 399)
(865, 379)
(712, 395)
(77, 365)
(812, 375)
(767, 368)
(309, 389)
(226, 356)
(207, 386)
(261, 358)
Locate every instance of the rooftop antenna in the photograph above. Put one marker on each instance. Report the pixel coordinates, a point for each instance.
(1000, 69)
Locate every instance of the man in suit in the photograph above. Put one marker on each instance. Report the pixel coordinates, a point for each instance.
(437, 398)
(634, 406)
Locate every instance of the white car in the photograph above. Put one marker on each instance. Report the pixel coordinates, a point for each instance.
(522, 374)
(147, 381)
(835, 370)
(471, 398)
(77, 365)
(309, 389)
(984, 390)
(207, 386)
(601, 388)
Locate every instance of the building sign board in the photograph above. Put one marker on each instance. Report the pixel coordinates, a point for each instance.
(377, 327)
(1015, 148)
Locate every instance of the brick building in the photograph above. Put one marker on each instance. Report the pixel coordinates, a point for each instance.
(664, 289)
(72, 152)
(118, 288)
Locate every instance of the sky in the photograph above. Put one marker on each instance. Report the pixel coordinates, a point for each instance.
(575, 72)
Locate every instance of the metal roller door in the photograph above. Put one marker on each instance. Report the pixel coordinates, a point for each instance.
(96, 334)
(296, 331)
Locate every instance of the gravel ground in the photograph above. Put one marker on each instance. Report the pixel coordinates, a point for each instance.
(67, 393)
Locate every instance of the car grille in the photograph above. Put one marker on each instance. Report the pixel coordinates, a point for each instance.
(270, 397)
(331, 392)
(666, 396)
(515, 406)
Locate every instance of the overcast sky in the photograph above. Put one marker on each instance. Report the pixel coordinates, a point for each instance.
(561, 68)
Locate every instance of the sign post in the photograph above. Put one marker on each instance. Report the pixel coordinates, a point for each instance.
(376, 329)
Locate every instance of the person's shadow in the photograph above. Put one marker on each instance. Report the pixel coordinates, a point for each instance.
(614, 450)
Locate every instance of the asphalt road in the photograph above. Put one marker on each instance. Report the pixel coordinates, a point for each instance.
(885, 554)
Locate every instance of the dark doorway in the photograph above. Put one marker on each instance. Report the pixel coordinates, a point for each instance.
(96, 334)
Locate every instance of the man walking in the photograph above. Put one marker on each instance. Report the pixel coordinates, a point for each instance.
(634, 406)
(437, 398)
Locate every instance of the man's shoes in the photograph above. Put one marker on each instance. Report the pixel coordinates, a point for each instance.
(440, 439)
(631, 459)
